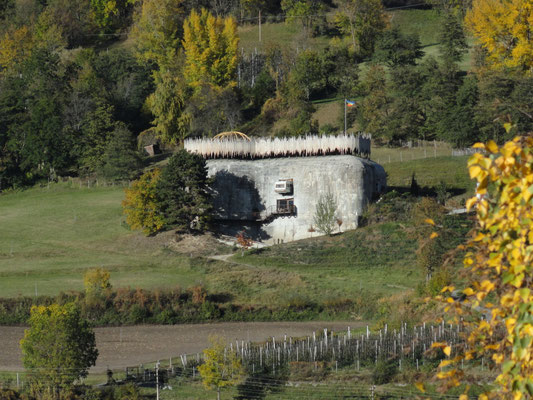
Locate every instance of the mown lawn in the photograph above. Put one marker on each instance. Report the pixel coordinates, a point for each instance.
(49, 237)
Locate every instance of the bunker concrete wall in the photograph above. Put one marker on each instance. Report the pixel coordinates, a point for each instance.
(243, 189)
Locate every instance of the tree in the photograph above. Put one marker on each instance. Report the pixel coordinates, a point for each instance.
(498, 273)
(167, 103)
(157, 30)
(106, 12)
(503, 28)
(324, 218)
(212, 110)
(15, 46)
(95, 280)
(58, 348)
(306, 76)
(405, 117)
(221, 368)
(97, 129)
(307, 10)
(505, 97)
(396, 49)
(363, 20)
(252, 7)
(452, 39)
(121, 160)
(141, 204)
(183, 192)
(374, 106)
(459, 125)
(73, 17)
(211, 49)
(127, 83)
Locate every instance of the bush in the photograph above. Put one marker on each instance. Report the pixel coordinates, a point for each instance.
(324, 218)
(384, 371)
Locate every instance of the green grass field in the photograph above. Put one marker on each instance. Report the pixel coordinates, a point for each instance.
(49, 237)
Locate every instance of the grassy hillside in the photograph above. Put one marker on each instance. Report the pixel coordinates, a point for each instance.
(51, 236)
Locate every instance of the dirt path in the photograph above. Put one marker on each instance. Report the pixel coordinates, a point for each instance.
(134, 345)
(225, 258)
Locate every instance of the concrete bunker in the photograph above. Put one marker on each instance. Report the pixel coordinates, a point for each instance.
(271, 189)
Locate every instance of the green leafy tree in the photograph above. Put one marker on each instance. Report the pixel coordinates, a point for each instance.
(342, 73)
(106, 13)
(405, 116)
(183, 193)
(505, 97)
(396, 49)
(142, 206)
(306, 77)
(254, 7)
(305, 10)
(212, 110)
(73, 17)
(325, 213)
(58, 348)
(44, 148)
(221, 368)
(127, 82)
(211, 49)
(374, 106)
(157, 30)
(363, 20)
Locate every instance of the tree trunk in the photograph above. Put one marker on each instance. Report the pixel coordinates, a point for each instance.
(218, 393)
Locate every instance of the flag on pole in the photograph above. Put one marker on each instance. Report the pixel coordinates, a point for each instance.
(349, 103)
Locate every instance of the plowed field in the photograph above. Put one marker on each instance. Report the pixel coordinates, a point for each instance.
(120, 347)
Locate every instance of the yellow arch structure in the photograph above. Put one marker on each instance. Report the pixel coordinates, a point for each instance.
(232, 135)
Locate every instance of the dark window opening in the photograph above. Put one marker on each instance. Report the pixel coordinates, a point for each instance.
(285, 206)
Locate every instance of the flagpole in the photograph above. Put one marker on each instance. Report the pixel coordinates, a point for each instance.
(345, 116)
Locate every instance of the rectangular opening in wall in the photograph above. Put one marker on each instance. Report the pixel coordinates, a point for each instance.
(285, 206)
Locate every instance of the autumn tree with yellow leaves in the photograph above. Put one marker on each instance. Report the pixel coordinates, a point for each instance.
(15, 46)
(221, 368)
(141, 204)
(211, 45)
(503, 28)
(497, 310)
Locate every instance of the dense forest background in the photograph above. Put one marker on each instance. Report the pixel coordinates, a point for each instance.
(85, 84)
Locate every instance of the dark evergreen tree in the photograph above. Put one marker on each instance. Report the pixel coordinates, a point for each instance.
(505, 97)
(183, 192)
(396, 49)
(459, 125)
(452, 39)
(121, 159)
(405, 116)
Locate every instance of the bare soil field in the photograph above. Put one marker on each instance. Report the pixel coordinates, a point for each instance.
(120, 347)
